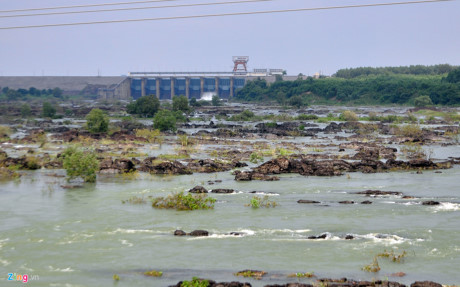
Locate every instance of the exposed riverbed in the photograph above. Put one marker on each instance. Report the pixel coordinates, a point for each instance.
(85, 235)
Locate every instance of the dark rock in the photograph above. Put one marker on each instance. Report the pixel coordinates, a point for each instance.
(307, 201)
(425, 284)
(210, 166)
(347, 202)
(179, 233)
(341, 150)
(349, 237)
(222, 191)
(431, 202)
(199, 233)
(213, 283)
(290, 285)
(165, 167)
(366, 202)
(322, 236)
(198, 189)
(378, 193)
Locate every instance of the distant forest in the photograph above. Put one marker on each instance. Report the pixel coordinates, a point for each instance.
(366, 86)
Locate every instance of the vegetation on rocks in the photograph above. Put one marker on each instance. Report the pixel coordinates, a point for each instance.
(79, 163)
(181, 201)
(97, 121)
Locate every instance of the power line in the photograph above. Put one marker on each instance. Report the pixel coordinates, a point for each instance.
(85, 6)
(225, 14)
(134, 8)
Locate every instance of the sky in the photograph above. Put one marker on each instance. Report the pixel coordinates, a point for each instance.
(299, 42)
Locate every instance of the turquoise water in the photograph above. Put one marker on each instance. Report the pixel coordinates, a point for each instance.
(81, 237)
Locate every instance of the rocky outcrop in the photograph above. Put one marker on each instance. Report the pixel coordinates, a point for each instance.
(155, 166)
(306, 201)
(122, 165)
(311, 167)
(212, 283)
(431, 202)
(223, 191)
(425, 284)
(210, 165)
(379, 193)
(196, 233)
(250, 175)
(198, 189)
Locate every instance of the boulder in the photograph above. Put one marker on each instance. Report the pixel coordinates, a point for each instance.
(198, 189)
(179, 233)
(431, 202)
(223, 191)
(307, 201)
(425, 284)
(322, 236)
(199, 233)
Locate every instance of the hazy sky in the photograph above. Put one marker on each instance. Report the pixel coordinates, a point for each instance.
(300, 42)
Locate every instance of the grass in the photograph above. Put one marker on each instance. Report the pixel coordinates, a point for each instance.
(180, 201)
(257, 202)
(373, 267)
(135, 200)
(153, 273)
(393, 256)
(251, 274)
(302, 275)
(195, 282)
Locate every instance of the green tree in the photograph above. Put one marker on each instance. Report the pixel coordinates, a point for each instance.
(216, 101)
(80, 164)
(165, 120)
(454, 76)
(97, 121)
(194, 103)
(49, 111)
(25, 110)
(296, 101)
(423, 101)
(180, 103)
(145, 106)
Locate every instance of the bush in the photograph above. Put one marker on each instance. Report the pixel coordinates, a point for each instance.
(180, 103)
(49, 111)
(257, 202)
(423, 101)
(304, 117)
(5, 132)
(146, 106)
(179, 201)
(165, 120)
(25, 111)
(349, 116)
(297, 101)
(216, 101)
(80, 164)
(150, 135)
(97, 121)
(412, 131)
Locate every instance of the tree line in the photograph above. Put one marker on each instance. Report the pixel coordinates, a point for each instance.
(24, 94)
(389, 88)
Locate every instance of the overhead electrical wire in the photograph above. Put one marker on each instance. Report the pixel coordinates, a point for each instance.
(226, 14)
(86, 6)
(135, 8)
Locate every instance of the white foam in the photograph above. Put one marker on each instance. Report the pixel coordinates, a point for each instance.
(68, 269)
(447, 206)
(4, 262)
(130, 231)
(126, 242)
(389, 239)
